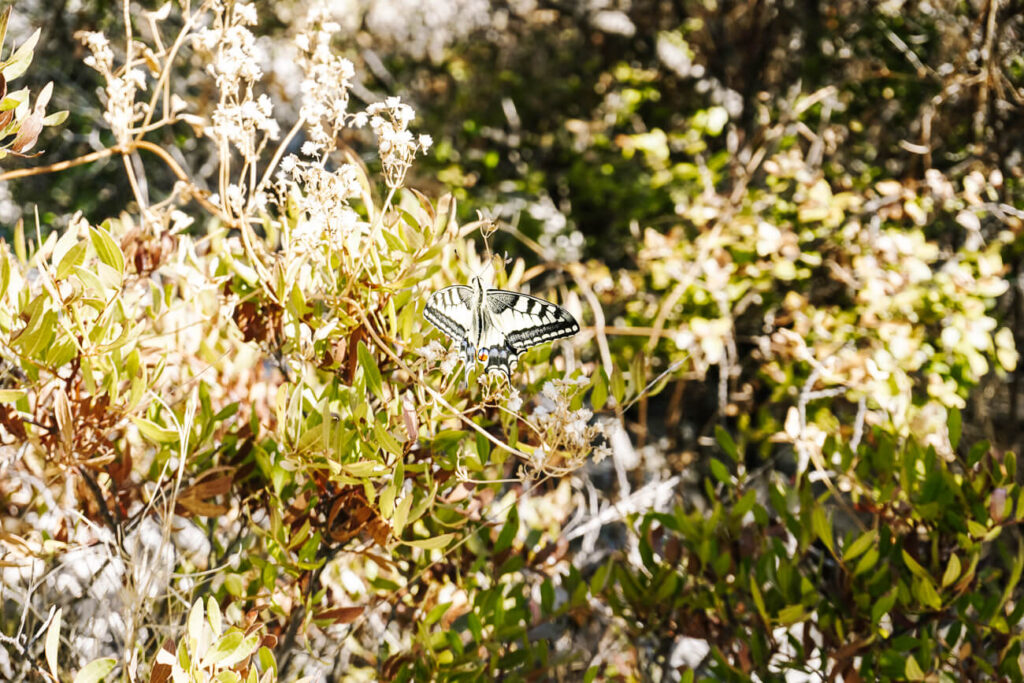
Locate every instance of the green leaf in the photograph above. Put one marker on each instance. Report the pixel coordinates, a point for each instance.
(21, 59)
(866, 540)
(508, 531)
(91, 281)
(432, 543)
(386, 441)
(5, 274)
(436, 613)
(978, 450)
(755, 592)
(75, 256)
(618, 383)
(386, 502)
(599, 581)
(96, 670)
(791, 614)
(56, 118)
(223, 648)
(822, 527)
(954, 423)
(599, 393)
(242, 651)
(924, 591)
(915, 568)
(883, 605)
(370, 370)
(401, 515)
(952, 572)
(12, 395)
(155, 432)
(213, 615)
(867, 561)
(363, 468)
(725, 440)
(912, 670)
(107, 249)
(720, 471)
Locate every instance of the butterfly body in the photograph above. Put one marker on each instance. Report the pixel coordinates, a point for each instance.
(495, 326)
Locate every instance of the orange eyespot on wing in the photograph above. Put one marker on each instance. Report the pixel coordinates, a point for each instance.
(482, 356)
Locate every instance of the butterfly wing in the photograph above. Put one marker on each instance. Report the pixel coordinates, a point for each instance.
(449, 310)
(508, 324)
(518, 322)
(526, 321)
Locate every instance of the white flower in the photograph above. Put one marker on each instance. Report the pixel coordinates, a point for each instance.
(431, 351)
(515, 401)
(246, 14)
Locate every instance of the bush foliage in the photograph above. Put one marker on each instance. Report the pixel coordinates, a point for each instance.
(232, 448)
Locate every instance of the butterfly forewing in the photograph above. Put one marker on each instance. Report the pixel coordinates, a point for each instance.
(449, 310)
(502, 325)
(528, 321)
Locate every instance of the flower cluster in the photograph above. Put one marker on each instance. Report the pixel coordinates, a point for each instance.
(239, 116)
(325, 87)
(121, 109)
(567, 434)
(321, 198)
(397, 145)
(233, 47)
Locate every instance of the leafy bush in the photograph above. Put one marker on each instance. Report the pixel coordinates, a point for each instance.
(232, 449)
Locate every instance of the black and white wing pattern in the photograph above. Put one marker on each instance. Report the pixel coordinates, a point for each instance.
(495, 326)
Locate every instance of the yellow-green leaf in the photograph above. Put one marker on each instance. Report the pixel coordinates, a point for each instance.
(370, 370)
(432, 543)
(213, 615)
(12, 395)
(401, 515)
(912, 670)
(865, 541)
(234, 647)
(952, 572)
(155, 432)
(75, 256)
(107, 249)
(599, 395)
(96, 670)
(822, 527)
(362, 468)
(915, 568)
(386, 440)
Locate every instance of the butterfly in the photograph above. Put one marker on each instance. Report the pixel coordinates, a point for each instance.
(495, 326)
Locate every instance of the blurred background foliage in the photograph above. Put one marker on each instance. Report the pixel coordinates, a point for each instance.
(793, 233)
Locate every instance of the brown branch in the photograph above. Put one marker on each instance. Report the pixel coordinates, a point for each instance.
(60, 165)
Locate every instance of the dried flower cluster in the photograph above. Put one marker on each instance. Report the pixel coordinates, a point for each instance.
(567, 435)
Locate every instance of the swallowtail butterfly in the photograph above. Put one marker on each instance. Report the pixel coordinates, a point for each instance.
(495, 326)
